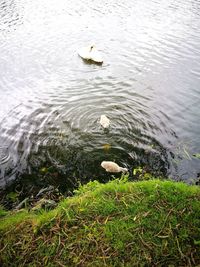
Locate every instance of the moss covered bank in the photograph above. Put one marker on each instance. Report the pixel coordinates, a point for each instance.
(148, 223)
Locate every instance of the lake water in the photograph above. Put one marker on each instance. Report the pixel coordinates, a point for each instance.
(51, 101)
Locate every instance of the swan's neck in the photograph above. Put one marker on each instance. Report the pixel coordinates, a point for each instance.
(91, 48)
(123, 169)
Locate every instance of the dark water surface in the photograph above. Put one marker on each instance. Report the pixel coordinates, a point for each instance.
(51, 101)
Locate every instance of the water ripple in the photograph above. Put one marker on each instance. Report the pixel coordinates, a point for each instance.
(51, 100)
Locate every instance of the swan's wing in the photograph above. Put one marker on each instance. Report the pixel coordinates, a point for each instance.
(96, 56)
(84, 53)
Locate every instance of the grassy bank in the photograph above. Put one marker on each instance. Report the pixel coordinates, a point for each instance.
(148, 223)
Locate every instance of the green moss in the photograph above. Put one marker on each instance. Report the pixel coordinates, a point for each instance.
(2, 211)
(121, 223)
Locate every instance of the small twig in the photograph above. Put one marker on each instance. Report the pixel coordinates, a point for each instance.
(179, 249)
(164, 222)
(60, 264)
(3, 248)
(144, 243)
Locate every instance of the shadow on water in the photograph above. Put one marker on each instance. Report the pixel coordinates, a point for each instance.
(91, 62)
(66, 168)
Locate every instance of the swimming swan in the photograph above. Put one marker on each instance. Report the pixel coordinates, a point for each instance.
(90, 53)
(110, 166)
(104, 121)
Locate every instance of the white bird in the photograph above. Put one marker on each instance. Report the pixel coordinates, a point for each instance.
(90, 53)
(111, 166)
(104, 121)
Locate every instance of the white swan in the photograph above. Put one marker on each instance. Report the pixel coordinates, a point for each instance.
(90, 53)
(111, 166)
(104, 121)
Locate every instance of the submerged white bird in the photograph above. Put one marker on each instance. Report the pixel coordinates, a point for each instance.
(90, 53)
(104, 121)
(111, 166)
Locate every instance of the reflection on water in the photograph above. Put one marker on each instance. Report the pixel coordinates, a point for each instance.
(51, 100)
(11, 14)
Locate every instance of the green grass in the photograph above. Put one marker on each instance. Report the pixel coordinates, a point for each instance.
(146, 223)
